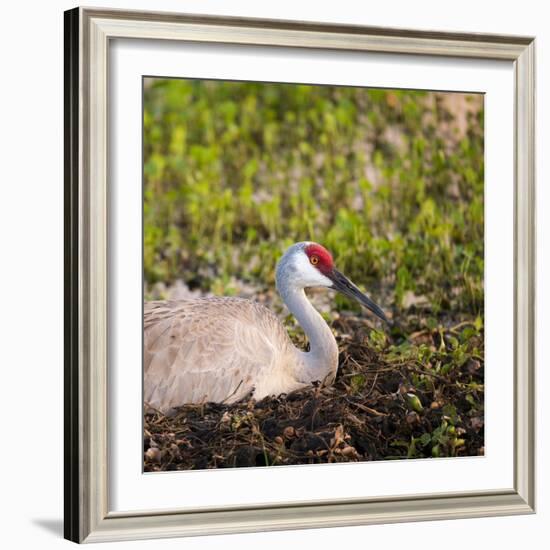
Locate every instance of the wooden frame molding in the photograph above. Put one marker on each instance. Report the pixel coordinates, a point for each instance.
(87, 36)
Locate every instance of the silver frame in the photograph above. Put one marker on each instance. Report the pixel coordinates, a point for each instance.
(87, 35)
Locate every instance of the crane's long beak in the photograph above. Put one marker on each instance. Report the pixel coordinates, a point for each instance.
(341, 283)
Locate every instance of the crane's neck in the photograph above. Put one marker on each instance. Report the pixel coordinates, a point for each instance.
(321, 362)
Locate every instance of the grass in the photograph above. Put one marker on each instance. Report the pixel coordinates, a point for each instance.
(391, 181)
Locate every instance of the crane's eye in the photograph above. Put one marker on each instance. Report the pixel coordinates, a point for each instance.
(314, 260)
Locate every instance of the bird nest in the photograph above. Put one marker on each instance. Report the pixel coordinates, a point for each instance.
(415, 398)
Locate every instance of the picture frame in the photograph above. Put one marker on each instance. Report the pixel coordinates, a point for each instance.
(88, 37)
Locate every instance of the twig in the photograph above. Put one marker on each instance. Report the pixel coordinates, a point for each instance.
(428, 373)
(366, 409)
(373, 384)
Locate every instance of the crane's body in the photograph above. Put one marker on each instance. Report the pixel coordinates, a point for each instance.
(221, 349)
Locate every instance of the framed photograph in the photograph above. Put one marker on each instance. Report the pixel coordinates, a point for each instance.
(299, 275)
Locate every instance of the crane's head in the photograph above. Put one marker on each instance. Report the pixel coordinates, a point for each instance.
(307, 264)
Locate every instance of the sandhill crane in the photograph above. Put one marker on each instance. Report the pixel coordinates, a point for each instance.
(220, 349)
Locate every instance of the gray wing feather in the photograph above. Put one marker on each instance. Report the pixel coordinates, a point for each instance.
(212, 349)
